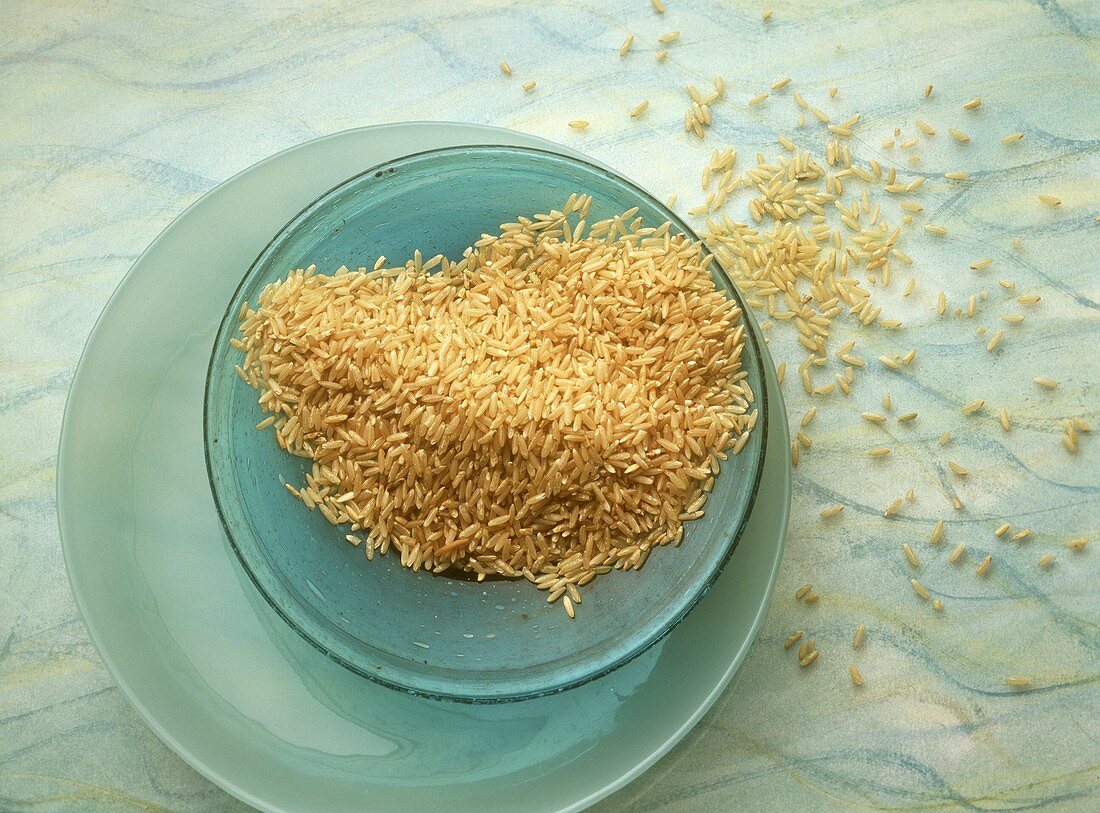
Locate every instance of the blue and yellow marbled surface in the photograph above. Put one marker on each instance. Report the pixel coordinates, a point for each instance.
(117, 116)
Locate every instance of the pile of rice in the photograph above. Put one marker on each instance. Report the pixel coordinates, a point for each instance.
(554, 405)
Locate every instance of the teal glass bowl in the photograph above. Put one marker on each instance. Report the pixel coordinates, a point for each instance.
(433, 635)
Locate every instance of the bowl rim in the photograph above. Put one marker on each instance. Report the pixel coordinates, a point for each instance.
(648, 639)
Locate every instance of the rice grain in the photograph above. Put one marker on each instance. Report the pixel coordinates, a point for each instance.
(937, 533)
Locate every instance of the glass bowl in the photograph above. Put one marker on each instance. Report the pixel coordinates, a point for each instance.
(433, 635)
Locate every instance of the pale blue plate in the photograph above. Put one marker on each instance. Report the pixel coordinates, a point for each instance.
(426, 634)
(224, 681)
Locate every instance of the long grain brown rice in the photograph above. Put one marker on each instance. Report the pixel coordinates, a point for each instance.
(492, 414)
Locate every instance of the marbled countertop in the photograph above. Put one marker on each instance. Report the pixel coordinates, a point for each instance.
(117, 116)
